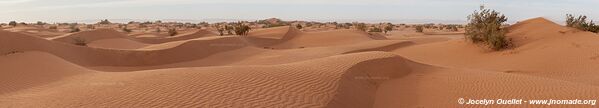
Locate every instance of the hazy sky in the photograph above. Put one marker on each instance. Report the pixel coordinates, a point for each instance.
(319, 10)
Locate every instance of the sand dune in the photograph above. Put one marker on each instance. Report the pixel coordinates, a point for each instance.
(288, 67)
(117, 43)
(303, 84)
(549, 61)
(112, 57)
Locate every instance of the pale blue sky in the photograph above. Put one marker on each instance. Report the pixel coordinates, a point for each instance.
(406, 11)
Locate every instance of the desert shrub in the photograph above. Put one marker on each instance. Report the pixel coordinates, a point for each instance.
(419, 28)
(158, 30)
(40, 23)
(172, 32)
(581, 23)
(361, 26)
(388, 28)
(375, 29)
(220, 31)
(453, 28)
(299, 26)
(105, 21)
(74, 28)
(12, 23)
(242, 29)
(91, 27)
(485, 27)
(79, 41)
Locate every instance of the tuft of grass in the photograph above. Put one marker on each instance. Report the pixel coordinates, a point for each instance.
(485, 27)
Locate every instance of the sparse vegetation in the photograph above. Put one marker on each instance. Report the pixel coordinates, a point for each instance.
(581, 23)
(220, 31)
(172, 32)
(485, 27)
(388, 28)
(40, 23)
(375, 29)
(299, 26)
(12, 23)
(74, 28)
(241, 29)
(361, 26)
(419, 28)
(105, 21)
(79, 41)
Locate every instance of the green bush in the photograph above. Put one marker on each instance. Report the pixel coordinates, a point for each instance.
(486, 27)
(581, 23)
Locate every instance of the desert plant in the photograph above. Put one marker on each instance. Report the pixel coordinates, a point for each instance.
(361, 26)
(453, 28)
(40, 23)
(91, 27)
(581, 23)
(12, 23)
(241, 29)
(220, 31)
(299, 26)
(388, 28)
(419, 28)
(485, 26)
(375, 29)
(105, 21)
(79, 41)
(74, 28)
(172, 32)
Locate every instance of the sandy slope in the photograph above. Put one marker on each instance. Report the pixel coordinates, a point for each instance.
(117, 43)
(549, 61)
(310, 83)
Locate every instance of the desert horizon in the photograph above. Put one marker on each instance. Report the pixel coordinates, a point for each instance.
(481, 57)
